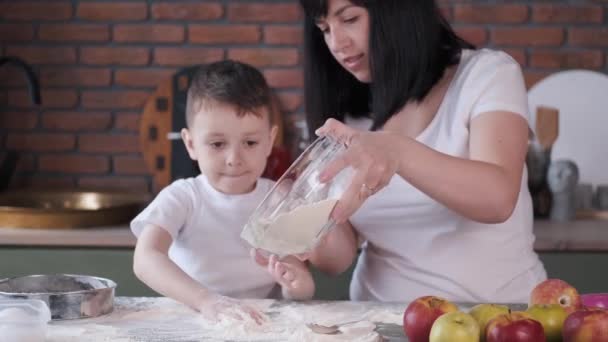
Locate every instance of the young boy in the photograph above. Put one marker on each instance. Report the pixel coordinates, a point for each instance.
(189, 246)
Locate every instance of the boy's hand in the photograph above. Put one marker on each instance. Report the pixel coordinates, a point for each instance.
(213, 306)
(292, 274)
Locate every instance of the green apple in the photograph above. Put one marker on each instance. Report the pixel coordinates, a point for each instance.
(484, 313)
(552, 317)
(455, 326)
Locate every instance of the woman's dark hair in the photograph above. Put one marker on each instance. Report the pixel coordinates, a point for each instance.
(410, 46)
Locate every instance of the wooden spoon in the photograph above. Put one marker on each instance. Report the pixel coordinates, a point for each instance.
(547, 126)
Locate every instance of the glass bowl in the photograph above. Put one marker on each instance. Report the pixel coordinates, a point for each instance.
(295, 214)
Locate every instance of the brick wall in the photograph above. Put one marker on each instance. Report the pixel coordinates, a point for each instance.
(99, 60)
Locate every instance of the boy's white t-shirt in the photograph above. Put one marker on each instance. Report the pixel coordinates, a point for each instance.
(416, 246)
(205, 225)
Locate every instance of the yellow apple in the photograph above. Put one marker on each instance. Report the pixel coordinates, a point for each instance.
(552, 317)
(484, 313)
(455, 326)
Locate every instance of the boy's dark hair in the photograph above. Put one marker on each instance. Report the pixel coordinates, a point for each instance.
(410, 46)
(229, 82)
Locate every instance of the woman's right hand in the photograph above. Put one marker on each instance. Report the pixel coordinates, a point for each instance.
(214, 307)
(373, 155)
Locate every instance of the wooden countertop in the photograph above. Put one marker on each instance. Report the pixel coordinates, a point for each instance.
(110, 237)
(575, 236)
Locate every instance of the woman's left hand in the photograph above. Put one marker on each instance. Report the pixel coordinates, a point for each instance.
(373, 155)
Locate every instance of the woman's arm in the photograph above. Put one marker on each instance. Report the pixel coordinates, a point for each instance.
(484, 187)
(151, 264)
(337, 251)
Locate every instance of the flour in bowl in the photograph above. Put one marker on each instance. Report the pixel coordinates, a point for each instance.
(293, 232)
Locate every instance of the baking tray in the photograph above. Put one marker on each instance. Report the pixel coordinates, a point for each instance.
(68, 209)
(68, 296)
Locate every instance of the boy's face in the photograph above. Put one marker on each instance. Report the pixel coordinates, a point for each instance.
(230, 150)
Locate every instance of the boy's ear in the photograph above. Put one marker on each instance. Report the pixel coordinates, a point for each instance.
(273, 136)
(187, 139)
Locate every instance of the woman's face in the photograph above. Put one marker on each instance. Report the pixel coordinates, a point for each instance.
(346, 32)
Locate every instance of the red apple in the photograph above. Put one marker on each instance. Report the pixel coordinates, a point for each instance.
(595, 300)
(484, 313)
(514, 327)
(551, 317)
(455, 326)
(419, 316)
(586, 325)
(556, 291)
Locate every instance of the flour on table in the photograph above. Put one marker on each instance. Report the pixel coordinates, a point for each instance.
(292, 232)
(162, 319)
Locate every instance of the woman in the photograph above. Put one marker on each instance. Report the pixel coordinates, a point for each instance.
(439, 199)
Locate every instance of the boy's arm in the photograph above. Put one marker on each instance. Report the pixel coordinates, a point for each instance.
(151, 264)
(297, 282)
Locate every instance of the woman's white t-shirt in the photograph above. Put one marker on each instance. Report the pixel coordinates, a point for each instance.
(206, 225)
(416, 246)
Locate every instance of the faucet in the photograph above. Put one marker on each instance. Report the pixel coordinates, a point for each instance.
(29, 73)
(9, 162)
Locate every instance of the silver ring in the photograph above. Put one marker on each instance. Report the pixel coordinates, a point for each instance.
(368, 189)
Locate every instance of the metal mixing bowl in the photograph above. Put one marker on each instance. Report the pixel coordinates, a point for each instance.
(68, 296)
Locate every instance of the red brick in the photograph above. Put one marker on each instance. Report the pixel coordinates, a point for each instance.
(546, 13)
(25, 163)
(490, 14)
(588, 37)
(539, 36)
(115, 55)
(74, 32)
(104, 11)
(129, 165)
(186, 56)
(587, 59)
(126, 121)
(283, 35)
(265, 57)
(141, 77)
(41, 142)
(518, 55)
(11, 76)
(290, 101)
(284, 78)
(18, 120)
(38, 181)
(70, 76)
(187, 11)
(217, 34)
(70, 163)
(114, 99)
(51, 98)
(43, 55)
(477, 36)
(76, 121)
(131, 184)
(35, 10)
(156, 33)
(533, 77)
(109, 143)
(264, 12)
(16, 32)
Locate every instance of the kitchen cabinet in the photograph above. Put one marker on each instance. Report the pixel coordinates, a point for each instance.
(583, 270)
(575, 252)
